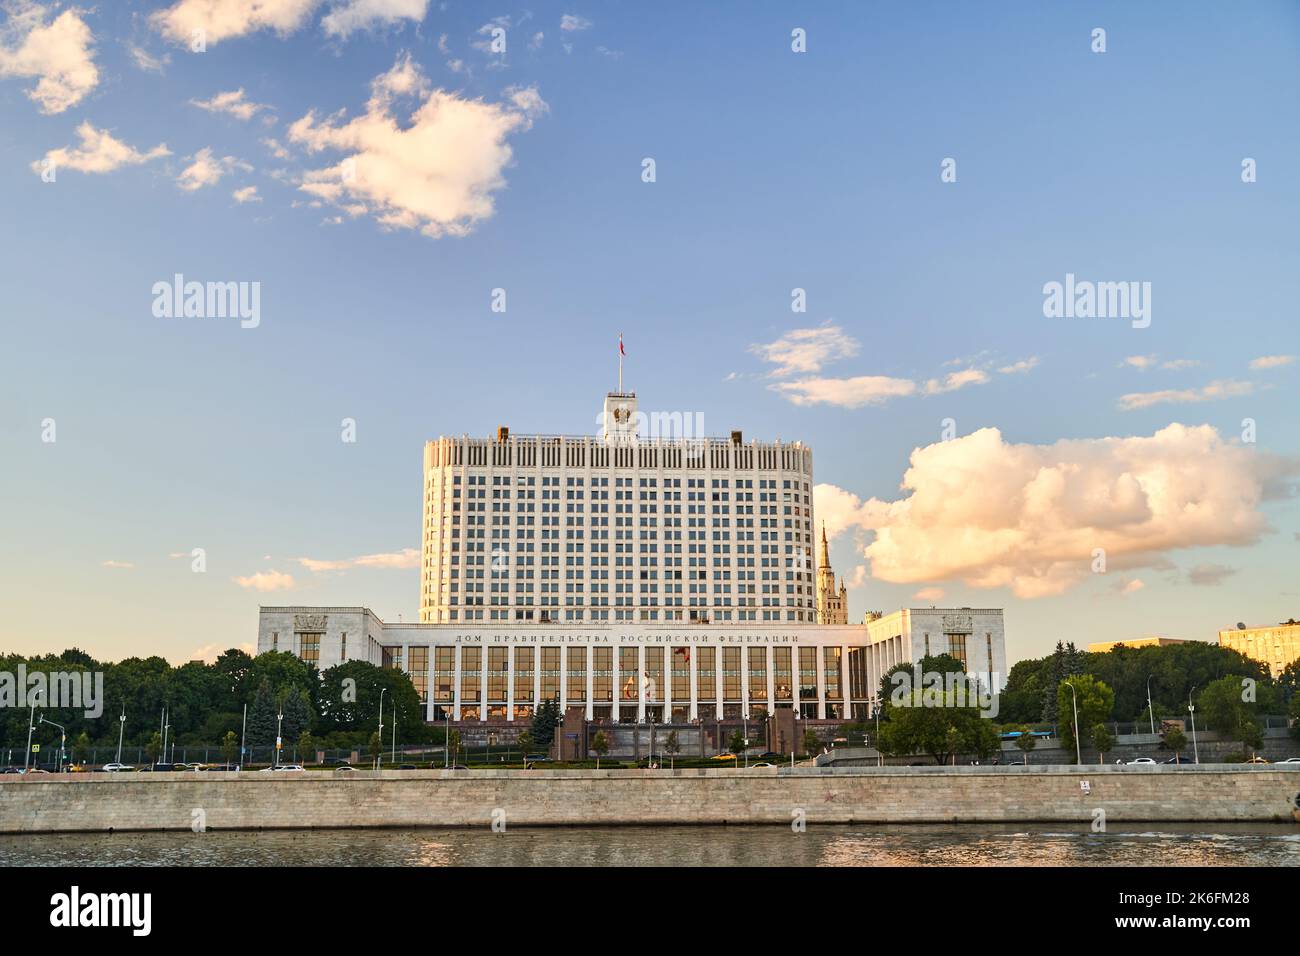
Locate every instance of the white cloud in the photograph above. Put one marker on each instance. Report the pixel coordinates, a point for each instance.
(205, 170)
(571, 23)
(1028, 517)
(266, 581)
(99, 152)
(537, 40)
(352, 15)
(1209, 575)
(117, 564)
(845, 392)
(246, 194)
(438, 173)
(1021, 367)
(1177, 365)
(1130, 586)
(58, 52)
(223, 19)
(928, 594)
(1144, 362)
(805, 351)
(232, 102)
(146, 61)
(406, 558)
(1183, 396)
(1271, 361)
(955, 380)
(276, 147)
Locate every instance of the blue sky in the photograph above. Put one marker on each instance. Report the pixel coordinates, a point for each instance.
(774, 170)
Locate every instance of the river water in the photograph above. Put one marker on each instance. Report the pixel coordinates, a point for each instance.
(852, 845)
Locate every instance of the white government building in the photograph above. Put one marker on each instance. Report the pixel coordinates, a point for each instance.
(636, 575)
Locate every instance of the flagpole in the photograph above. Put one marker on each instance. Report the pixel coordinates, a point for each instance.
(620, 363)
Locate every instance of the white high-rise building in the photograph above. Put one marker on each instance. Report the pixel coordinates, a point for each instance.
(643, 573)
(643, 522)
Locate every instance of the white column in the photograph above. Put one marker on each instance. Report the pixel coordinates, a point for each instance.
(771, 679)
(717, 681)
(744, 680)
(614, 683)
(564, 677)
(693, 666)
(845, 683)
(455, 706)
(821, 683)
(510, 682)
(640, 683)
(591, 680)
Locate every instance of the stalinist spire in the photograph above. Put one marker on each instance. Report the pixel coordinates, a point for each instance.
(823, 556)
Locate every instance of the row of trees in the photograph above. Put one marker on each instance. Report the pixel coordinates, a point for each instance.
(205, 702)
(1232, 695)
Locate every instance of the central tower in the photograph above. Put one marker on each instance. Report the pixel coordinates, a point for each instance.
(618, 422)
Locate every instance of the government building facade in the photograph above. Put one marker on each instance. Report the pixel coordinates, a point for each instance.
(635, 576)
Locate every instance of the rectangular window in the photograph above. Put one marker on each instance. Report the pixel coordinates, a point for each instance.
(707, 677)
(627, 674)
(831, 656)
(758, 673)
(575, 689)
(783, 676)
(523, 675)
(444, 674)
(602, 673)
(471, 676)
(309, 648)
(418, 669)
(550, 673)
(731, 673)
(681, 673)
(654, 672)
(498, 673)
(808, 673)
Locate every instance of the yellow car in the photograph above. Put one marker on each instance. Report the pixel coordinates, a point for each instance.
(1256, 759)
(730, 757)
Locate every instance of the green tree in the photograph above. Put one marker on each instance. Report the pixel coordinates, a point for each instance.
(154, 747)
(377, 748)
(672, 747)
(952, 741)
(81, 747)
(599, 746)
(545, 721)
(1095, 702)
(262, 713)
(1026, 741)
(898, 683)
(736, 743)
(1176, 741)
(453, 744)
(229, 747)
(306, 747)
(1229, 710)
(1102, 741)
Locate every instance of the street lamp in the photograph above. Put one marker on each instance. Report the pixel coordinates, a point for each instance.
(744, 719)
(1150, 706)
(121, 729)
(31, 716)
(379, 751)
(63, 739)
(1191, 709)
(279, 739)
(1078, 754)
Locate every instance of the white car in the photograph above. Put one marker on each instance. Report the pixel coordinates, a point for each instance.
(1290, 760)
(1141, 760)
(756, 766)
(284, 768)
(117, 767)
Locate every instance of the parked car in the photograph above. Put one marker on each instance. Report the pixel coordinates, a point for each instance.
(164, 768)
(536, 758)
(117, 767)
(407, 766)
(1141, 760)
(1290, 760)
(1178, 758)
(345, 769)
(755, 766)
(285, 768)
(34, 770)
(723, 757)
(1256, 759)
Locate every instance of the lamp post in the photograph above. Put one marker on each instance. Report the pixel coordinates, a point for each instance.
(880, 756)
(1078, 754)
(243, 732)
(379, 751)
(1191, 709)
(63, 739)
(121, 729)
(394, 757)
(31, 716)
(446, 739)
(744, 720)
(279, 739)
(1150, 706)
